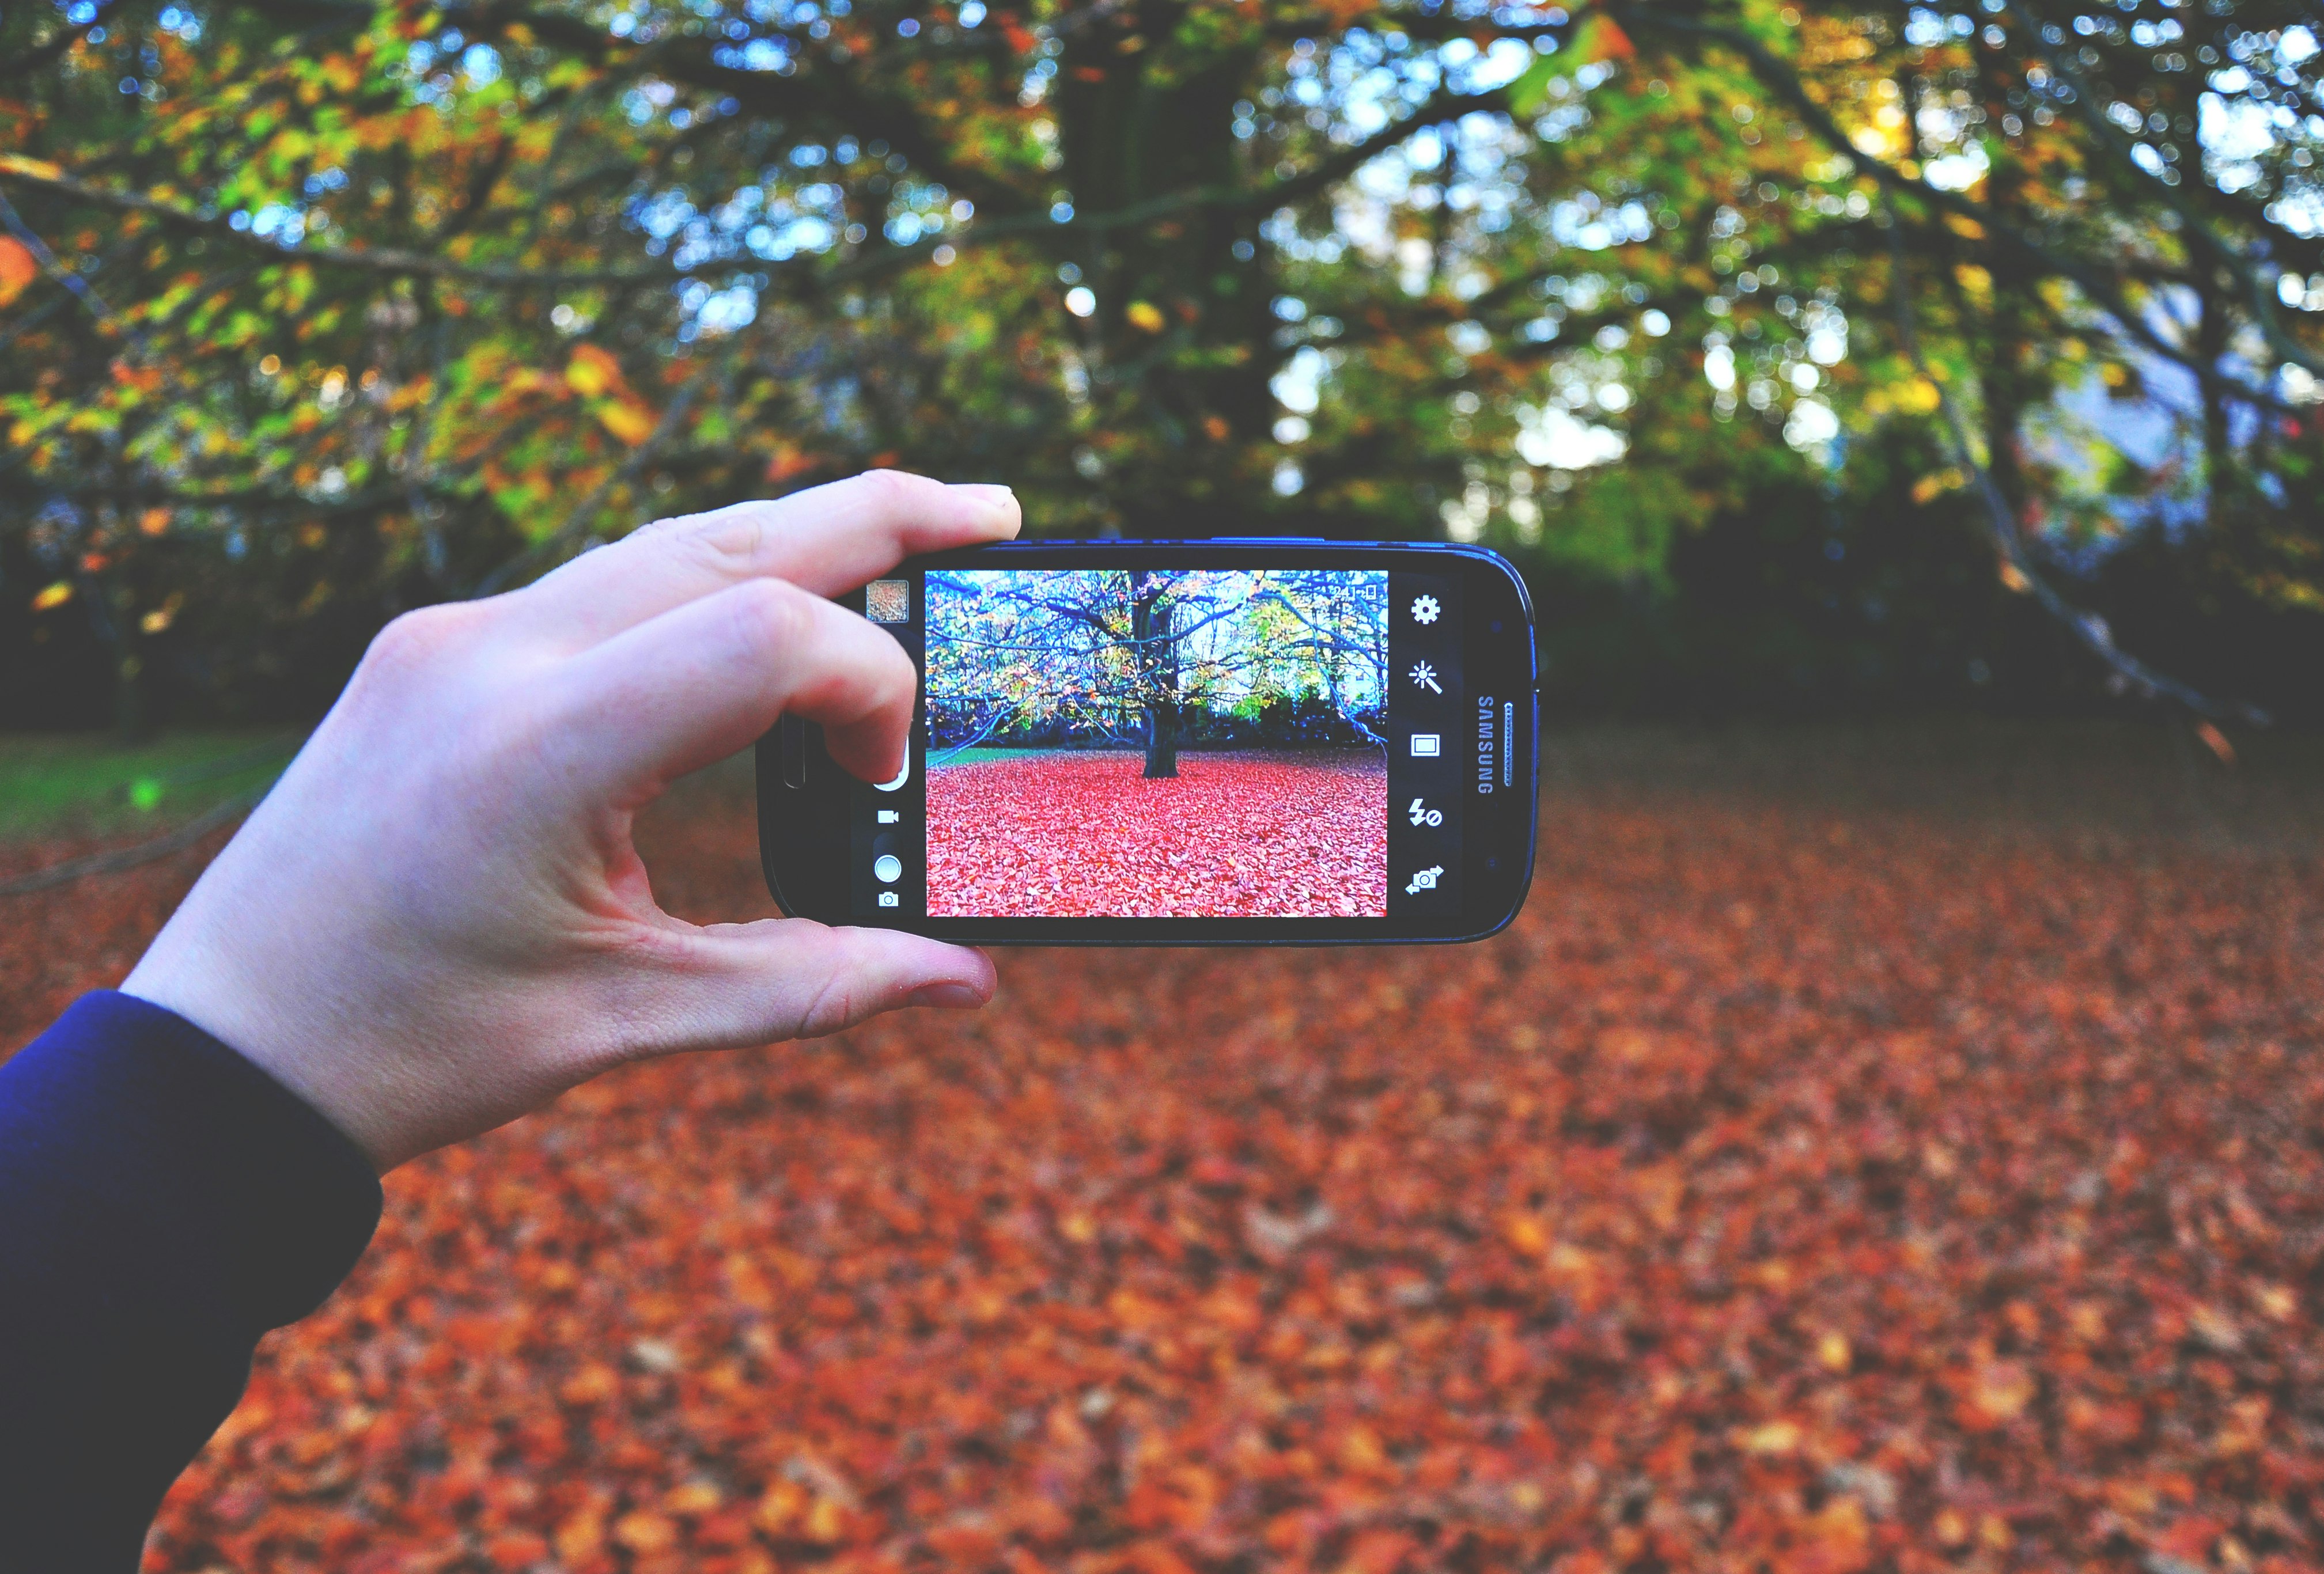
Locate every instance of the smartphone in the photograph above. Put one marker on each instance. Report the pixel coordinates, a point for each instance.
(1222, 742)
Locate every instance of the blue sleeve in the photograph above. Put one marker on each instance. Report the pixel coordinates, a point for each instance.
(163, 1202)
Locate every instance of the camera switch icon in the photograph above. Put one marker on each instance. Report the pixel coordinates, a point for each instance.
(890, 816)
(890, 899)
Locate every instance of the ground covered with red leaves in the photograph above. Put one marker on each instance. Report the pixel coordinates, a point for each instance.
(1251, 834)
(1796, 1186)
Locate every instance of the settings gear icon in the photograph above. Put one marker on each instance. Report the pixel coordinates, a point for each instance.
(1425, 609)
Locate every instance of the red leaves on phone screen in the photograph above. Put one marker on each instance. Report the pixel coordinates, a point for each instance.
(1278, 833)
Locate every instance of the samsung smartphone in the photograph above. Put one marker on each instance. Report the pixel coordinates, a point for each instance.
(1231, 742)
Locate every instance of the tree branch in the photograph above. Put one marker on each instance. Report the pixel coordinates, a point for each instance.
(1786, 83)
(2259, 298)
(825, 92)
(388, 260)
(1444, 105)
(2087, 628)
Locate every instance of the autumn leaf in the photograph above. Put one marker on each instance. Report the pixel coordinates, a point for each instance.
(593, 371)
(1248, 834)
(18, 269)
(645, 1531)
(1601, 38)
(1997, 1392)
(1398, 1258)
(629, 422)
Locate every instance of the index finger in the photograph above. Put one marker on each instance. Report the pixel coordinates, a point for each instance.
(827, 540)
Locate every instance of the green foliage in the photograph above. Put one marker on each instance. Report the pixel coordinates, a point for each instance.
(318, 308)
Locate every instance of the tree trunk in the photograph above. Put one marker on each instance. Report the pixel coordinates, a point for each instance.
(2218, 445)
(2009, 383)
(1161, 741)
(1184, 328)
(1155, 646)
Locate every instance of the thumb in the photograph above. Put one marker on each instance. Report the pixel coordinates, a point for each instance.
(736, 984)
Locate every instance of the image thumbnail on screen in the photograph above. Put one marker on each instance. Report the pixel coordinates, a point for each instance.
(1156, 743)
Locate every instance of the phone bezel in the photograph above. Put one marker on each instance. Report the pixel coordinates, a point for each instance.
(804, 835)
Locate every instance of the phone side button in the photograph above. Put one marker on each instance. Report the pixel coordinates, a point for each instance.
(794, 751)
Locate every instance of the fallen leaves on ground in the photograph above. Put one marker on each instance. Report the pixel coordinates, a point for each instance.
(1781, 1192)
(1253, 834)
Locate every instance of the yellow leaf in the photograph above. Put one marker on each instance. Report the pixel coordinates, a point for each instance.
(593, 1383)
(580, 1537)
(780, 1506)
(1928, 487)
(826, 1522)
(593, 371)
(1145, 316)
(691, 1497)
(1999, 1392)
(1776, 1437)
(645, 1531)
(633, 424)
(39, 168)
(56, 596)
(1361, 1450)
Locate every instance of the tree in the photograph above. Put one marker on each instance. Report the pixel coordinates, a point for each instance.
(1141, 655)
(345, 305)
(1153, 644)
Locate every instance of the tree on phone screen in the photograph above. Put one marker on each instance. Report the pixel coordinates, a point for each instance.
(1154, 659)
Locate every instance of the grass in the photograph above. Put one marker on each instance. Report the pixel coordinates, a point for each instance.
(94, 784)
(939, 757)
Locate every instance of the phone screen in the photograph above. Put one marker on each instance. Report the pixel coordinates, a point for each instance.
(1178, 742)
(1207, 742)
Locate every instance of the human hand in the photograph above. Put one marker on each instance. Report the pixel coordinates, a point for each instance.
(437, 921)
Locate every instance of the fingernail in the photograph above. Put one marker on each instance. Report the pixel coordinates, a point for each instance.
(951, 997)
(996, 498)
